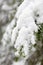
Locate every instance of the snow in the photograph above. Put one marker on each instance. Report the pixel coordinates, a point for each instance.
(6, 7)
(40, 12)
(7, 35)
(19, 63)
(22, 7)
(23, 33)
(25, 36)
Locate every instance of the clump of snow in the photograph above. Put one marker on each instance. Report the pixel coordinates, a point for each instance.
(23, 33)
(21, 7)
(39, 12)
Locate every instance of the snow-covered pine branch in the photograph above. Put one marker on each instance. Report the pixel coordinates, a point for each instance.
(29, 15)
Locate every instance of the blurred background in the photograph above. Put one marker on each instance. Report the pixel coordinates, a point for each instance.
(8, 9)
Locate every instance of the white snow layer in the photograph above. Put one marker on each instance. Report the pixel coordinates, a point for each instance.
(21, 7)
(23, 34)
